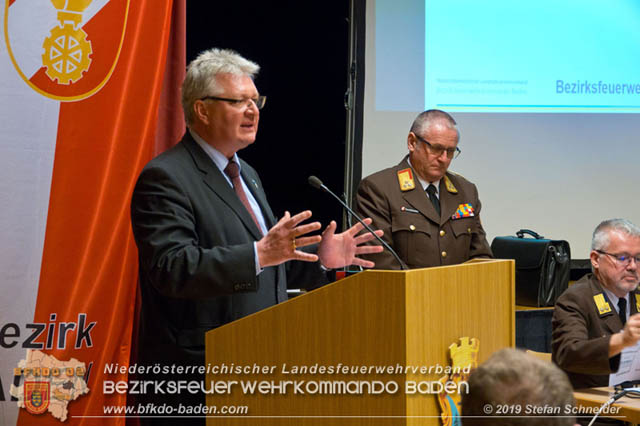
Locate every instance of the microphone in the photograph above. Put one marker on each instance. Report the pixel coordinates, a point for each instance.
(317, 183)
(611, 400)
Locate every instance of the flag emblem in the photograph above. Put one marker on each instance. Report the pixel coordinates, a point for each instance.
(36, 396)
(65, 49)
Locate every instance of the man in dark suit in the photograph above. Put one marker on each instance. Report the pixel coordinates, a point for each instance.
(210, 249)
(597, 317)
(430, 217)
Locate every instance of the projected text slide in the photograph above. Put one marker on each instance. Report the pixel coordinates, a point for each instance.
(503, 56)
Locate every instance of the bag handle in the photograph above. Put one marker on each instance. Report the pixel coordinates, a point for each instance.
(534, 234)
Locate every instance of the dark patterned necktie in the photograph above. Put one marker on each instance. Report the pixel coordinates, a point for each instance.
(233, 171)
(431, 190)
(622, 310)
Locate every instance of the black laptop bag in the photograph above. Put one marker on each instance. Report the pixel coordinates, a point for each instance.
(542, 266)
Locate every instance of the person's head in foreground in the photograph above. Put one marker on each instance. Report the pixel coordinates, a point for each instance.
(511, 385)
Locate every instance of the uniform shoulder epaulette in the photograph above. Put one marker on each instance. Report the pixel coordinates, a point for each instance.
(405, 179)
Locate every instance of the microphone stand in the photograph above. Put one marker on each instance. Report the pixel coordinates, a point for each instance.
(317, 183)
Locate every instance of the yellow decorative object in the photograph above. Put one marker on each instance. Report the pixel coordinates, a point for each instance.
(449, 185)
(465, 355)
(71, 5)
(66, 54)
(464, 358)
(602, 305)
(405, 179)
(67, 50)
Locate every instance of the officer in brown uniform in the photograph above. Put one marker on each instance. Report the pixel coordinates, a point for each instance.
(597, 317)
(429, 216)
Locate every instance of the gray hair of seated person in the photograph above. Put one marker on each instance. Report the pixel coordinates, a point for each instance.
(601, 235)
(200, 80)
(511, 378)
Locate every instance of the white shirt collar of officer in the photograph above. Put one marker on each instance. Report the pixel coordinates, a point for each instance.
(425, 184)
(614, 300)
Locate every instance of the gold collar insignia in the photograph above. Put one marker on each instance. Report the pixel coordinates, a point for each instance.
(405, 179)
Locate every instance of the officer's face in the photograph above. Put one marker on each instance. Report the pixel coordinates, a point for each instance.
(613, 274)
(428, 163)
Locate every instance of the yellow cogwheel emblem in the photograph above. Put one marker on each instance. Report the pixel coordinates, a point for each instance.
(66, 54)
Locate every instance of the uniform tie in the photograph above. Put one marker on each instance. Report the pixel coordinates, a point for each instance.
(233, 171)
(431, 190)
(622, 310)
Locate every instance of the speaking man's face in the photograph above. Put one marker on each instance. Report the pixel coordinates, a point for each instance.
(233, 124)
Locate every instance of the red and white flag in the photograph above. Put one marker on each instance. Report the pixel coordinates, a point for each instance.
(87, 90)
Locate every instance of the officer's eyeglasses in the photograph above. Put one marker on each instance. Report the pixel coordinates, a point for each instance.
(437, 150)
(622, 259)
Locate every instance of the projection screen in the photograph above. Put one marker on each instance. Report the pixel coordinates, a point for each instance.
(546, 96)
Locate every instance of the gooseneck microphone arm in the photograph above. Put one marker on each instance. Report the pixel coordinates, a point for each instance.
(317, 183)
(613, 399)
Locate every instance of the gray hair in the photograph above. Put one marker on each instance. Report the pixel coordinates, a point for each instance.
(430, 117)
(200, 80)
(513, 378)
(601, 235)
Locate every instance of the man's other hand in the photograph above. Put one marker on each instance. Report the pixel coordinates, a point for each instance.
(340, 250)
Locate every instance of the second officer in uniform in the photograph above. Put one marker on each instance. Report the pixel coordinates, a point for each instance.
(431, 217)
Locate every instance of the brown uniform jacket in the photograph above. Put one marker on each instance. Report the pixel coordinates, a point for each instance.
(580, 338)
(413, 228)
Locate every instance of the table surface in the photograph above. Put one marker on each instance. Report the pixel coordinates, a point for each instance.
(629, 408)
(533, 308)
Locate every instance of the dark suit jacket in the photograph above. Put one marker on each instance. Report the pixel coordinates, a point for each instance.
(413, 228)
(197, 265)
(580, 339)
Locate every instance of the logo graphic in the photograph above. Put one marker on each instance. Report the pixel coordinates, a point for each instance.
(36, 396)
(49, 384)
(464, 358)
(65, 49)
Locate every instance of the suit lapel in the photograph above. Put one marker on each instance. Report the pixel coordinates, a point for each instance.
(417, 197)
(258, 193)
(253, 183)
(214, 179)
(611, 320)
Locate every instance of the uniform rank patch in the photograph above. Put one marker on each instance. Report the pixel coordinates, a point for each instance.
(405, 179)
(601, 304)
(449, 185)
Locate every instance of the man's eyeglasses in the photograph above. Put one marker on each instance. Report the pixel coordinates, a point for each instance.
(622, 259)
(239, 103)
(437, 150)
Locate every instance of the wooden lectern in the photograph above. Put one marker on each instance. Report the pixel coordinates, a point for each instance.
(353, 335)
